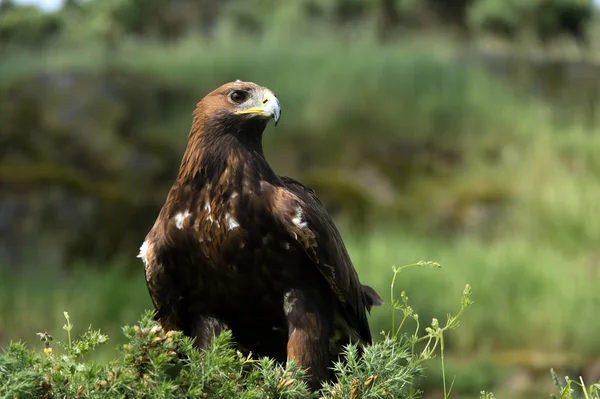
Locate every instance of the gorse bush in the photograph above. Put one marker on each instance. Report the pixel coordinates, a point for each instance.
(164, 364)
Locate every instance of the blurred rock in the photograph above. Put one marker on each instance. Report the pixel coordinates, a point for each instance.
(519, 381)
(356, 194)
(79, 167)
(592, 371)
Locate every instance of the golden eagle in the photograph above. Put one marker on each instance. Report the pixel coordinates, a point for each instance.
(237, 246)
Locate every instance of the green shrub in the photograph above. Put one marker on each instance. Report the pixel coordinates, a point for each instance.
(164, 364)
(544, 19)
(27, 26)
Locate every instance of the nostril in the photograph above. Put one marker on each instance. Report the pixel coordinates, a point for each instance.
(266, 100)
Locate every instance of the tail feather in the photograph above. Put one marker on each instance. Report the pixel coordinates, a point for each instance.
(371, 297)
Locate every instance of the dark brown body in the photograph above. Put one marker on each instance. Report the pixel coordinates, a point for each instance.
(237, 246)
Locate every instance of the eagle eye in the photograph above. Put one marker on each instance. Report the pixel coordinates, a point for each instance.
(238, 96)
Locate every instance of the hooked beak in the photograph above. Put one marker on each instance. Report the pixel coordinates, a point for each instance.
(269, 107)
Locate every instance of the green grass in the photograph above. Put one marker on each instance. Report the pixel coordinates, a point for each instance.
(320, 84)
(518, 284)
(34, 301)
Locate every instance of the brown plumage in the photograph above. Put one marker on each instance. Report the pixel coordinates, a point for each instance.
(237, 246)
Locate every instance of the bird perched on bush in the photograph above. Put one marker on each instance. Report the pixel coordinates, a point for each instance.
(237, 246)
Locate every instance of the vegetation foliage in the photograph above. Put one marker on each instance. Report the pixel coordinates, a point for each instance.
(164, 364)
(109, 20)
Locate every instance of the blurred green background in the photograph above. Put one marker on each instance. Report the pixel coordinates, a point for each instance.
(464, 132)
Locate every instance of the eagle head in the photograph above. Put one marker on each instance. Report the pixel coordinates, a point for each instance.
(229, 123)
(240, 104)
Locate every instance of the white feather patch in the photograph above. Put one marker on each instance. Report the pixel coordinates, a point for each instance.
(298, 218)
(180, 218)
(289, 302)
(231, 222)
(143, 251)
